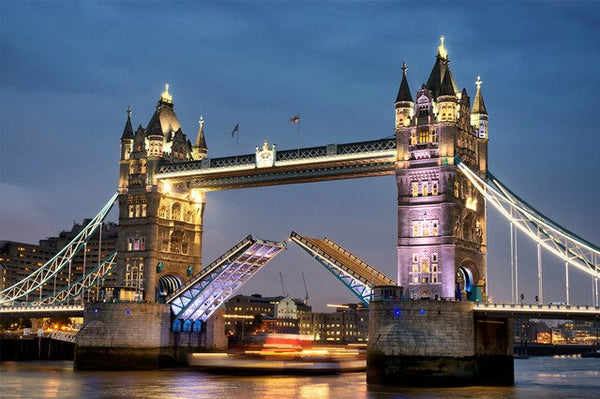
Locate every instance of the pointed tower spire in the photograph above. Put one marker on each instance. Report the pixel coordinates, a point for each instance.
(478, 104)
(128, 130)
(404, 102)
(479, 115)
(200, 150)
(447, 88)
(404, 91)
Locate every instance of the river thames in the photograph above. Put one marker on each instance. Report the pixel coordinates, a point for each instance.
(538, 377)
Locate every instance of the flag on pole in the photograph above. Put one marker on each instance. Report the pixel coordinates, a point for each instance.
(236, 129)
(295, 119)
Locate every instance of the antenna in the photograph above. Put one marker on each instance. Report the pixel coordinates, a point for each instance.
(305, 290)
(282, 286)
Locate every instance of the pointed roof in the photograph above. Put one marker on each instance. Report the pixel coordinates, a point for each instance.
(200, 140)
(128, 130)
(447, 88)
(404, 91)
(164, 120)
(478, 104)
(439, 70)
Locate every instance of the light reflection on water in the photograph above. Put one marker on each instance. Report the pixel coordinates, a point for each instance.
(535, 378)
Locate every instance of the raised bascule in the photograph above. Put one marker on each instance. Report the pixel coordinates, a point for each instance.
(433, 325)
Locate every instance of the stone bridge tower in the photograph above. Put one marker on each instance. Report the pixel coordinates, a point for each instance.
(160, 227)
(441, 217)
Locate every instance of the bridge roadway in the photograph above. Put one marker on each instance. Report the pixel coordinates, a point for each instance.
(303, 165)
(516, 311)
(538, 311)
(42, 311)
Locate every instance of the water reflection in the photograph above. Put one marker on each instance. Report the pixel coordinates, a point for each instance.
(535, 378)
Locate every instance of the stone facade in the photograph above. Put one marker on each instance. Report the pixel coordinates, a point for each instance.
(441, 217)
(160, 225)
(124, 336)
(437, 343)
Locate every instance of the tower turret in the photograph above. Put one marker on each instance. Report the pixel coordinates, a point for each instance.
(446, 100)
(127, 137)
(404, 102)
(479, 115)
(199, 150)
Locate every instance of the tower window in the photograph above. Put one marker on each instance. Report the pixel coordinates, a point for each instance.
(415, 189)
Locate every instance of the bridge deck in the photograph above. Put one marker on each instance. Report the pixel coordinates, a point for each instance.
(356, 274)
(537, 311)
(213, 285)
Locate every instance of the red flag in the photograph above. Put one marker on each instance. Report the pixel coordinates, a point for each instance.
(295, 119)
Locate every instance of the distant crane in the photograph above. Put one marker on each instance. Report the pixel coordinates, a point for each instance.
(282, 286)
(305, 290)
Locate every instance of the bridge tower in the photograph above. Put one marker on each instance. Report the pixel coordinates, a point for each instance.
(441, 217)
(160, 226)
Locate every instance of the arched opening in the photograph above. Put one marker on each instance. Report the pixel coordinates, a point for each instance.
(167, 284)
(464, 283)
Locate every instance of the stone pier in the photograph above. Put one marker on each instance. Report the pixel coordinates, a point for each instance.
(437, 343)
(136, 336)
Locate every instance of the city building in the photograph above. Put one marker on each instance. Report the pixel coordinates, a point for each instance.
(348, 324)
(19, 260)
(255, 313)
(441, 217)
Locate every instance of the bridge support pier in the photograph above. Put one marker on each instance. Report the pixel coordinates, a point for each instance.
(437, 343)
(138, 336)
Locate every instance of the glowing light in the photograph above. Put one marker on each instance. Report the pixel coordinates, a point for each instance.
(441, 49)
(165, 96)
(422, 311)
(330, 305)
(471, 203)
(237, 316)
(166, 187)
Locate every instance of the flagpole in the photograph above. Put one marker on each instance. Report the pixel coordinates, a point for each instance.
(298, 138)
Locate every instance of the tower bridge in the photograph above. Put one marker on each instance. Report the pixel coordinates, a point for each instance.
(439, 157)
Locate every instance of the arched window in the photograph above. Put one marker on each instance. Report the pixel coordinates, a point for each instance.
(162, 212)
(176, 211)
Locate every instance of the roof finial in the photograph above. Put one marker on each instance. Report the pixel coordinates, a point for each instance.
(478, 82)
(201, 121)
(441, 49)
(404, 68)
(129, 111)
(166, 96)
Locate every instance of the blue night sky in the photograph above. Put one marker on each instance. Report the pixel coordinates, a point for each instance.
(70, 69)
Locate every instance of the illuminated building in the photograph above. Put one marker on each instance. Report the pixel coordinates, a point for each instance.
(441, 217)
(349, 324)
(21, 259)
(160, 225)
(279, 314)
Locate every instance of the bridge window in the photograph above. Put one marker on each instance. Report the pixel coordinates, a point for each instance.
(415, 189)
(131, 210)
(415, 258)
(456, 189)
(424, 137)
(425, 185)
(413, 138)
(434, 188)
(137, 210)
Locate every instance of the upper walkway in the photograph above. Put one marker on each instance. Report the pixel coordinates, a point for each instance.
(273, 167)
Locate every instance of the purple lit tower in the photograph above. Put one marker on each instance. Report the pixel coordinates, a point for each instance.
(441, 217)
